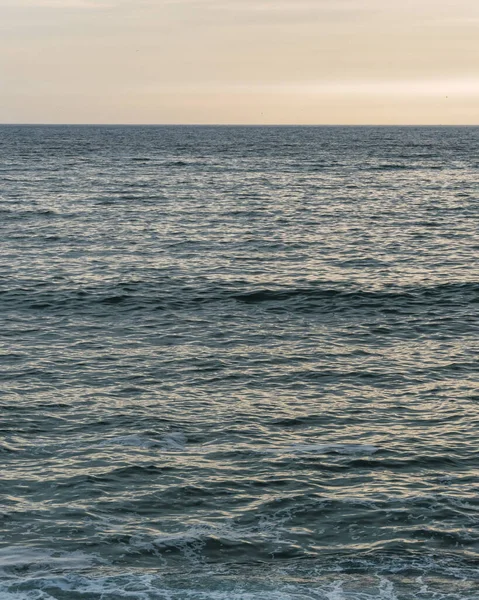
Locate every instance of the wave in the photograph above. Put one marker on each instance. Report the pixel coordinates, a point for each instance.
(325, 449)
(393, 578)
(172, 441)
(170, 294)
(6, 449)
(441, 293)
(151, 587)
(31, 559)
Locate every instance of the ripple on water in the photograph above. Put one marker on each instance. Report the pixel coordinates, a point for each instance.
(239, 363)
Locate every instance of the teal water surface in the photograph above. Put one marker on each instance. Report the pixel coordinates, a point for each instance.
(239, 363)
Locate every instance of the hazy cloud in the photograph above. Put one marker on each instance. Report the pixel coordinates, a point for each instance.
(58, 4)
(219, 60)
(465, 86)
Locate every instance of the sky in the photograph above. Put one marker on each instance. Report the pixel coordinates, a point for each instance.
(240, 61)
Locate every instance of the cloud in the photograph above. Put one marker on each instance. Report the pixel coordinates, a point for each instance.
(406, 10)
(276, 6)
(271, 7)
(59, 4)
(399, 87)
(425, 88)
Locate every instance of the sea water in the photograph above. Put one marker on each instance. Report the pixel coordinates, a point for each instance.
(239, 363)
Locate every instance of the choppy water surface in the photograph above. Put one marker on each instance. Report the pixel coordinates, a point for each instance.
(239, 363)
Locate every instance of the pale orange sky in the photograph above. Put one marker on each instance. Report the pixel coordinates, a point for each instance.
(239, 61)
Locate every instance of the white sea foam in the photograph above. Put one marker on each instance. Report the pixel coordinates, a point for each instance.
(174, 441)
(211, 586)
(38, 559)
(134, 440)
(192, 540)
(171, 441)
(44, 574)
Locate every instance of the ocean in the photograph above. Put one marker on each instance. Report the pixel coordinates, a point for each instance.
(239, 363)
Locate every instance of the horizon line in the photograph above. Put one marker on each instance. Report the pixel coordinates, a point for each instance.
(39, 124)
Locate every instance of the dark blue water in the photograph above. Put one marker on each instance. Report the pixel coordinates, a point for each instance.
(239, 363)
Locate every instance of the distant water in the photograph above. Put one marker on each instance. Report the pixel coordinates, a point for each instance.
(239, 363)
